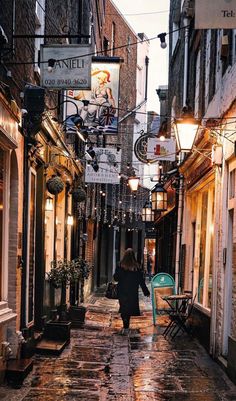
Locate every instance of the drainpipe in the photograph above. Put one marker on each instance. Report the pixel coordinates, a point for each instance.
(186, 44)
(179, 232)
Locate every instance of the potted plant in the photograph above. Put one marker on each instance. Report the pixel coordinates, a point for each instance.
(62, 274)
(77, 312)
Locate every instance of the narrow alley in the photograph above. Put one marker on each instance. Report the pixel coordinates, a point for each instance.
(100, 364)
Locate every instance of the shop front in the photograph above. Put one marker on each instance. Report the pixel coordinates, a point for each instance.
(11, 143)
(197, 242)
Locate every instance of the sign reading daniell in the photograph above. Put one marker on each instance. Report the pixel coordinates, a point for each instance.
(215, 14)
(64, 67)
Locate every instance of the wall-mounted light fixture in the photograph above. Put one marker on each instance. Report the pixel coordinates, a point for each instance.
(186, 129)
(159, 198)
(49, 204)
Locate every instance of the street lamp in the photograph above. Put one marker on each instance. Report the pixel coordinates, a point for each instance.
(159, 198)
(133, 182)
(147, 212)
(186, 129)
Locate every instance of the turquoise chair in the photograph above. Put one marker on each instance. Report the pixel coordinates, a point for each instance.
(162, 284)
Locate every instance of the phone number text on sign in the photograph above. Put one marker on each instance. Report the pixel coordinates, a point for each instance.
(73, 83)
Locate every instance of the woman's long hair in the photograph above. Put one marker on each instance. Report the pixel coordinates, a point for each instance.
(129, 262)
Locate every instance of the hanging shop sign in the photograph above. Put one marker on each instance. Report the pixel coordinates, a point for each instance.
(161, 150)
(105, 166)
(99, 106)
(215, 14)
(65, 67)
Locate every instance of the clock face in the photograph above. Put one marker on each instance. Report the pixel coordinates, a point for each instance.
(140, 148)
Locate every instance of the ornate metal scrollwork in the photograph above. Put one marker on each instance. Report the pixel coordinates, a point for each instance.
(140, 148)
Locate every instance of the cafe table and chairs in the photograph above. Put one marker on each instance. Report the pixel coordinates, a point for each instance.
(181, 306)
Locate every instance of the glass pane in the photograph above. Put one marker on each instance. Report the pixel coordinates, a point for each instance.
(31, 249)
(211, 254)
(202, 245)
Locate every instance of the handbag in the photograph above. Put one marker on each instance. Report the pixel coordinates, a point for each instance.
(111, 290)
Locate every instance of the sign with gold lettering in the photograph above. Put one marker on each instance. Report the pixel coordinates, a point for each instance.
(215, 14)
(66, 67)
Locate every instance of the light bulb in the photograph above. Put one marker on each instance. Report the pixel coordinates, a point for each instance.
(163, 45)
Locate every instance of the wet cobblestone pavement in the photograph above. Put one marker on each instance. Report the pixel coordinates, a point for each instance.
(99, 364)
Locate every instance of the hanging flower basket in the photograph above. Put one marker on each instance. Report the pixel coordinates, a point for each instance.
(55, 185)
(79, 194)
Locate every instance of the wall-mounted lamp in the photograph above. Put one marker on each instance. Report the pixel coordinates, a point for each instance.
(186, 129)
(133, 183)
(159, 198)
(70, 220)
(147, 212)
(49, 204)
(162, 37)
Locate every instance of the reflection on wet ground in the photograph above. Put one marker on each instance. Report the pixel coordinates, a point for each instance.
(100, 364)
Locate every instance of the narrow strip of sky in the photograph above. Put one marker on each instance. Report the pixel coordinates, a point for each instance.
(150, 17)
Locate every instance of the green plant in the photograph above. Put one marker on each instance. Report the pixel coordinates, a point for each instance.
(83, 266)
(65, 272)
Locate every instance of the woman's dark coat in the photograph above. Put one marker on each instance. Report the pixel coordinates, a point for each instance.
(127, 287)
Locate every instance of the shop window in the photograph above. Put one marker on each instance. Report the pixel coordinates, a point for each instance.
(206, 248)
(202, 244)
(60, 226)
(49, 237)
(31, 243)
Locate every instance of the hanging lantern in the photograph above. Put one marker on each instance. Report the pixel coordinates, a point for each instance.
(186, 129)
(159, 198)
(133, 183)
(147, 212)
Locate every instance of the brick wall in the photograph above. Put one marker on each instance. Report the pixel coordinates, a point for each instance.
(123, 35)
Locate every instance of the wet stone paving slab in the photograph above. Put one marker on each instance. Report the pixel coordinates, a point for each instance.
(100, 364)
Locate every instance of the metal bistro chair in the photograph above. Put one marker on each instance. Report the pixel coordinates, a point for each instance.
(179, 320)
(162, 284)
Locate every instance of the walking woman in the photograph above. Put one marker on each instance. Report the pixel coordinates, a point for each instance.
(129, 276)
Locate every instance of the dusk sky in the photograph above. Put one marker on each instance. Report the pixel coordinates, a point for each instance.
(150, 17)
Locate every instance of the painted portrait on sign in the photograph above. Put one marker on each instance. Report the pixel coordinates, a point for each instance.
(99, 107)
